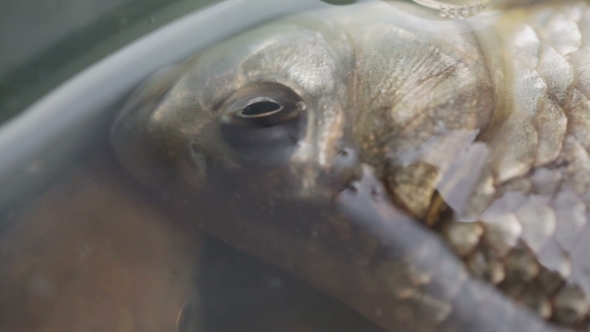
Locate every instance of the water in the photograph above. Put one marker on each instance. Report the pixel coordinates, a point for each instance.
(69, 241)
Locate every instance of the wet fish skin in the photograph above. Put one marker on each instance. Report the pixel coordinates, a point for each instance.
(469, 114)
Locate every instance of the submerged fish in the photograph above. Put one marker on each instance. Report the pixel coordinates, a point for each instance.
(88, 256)
(320, 128)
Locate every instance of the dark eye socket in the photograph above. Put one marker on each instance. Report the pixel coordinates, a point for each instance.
(264, 122)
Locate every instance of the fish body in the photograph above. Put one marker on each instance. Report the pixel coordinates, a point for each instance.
(477, 127)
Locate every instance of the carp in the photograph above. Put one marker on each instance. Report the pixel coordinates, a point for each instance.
(432, 174)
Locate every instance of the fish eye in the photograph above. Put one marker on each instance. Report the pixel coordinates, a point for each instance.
(266, 110)
(263, 122)
(186, 320)
(260, 108)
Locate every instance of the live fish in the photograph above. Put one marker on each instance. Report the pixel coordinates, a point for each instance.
(336, 135)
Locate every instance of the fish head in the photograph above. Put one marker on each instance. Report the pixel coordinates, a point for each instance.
(266, 107)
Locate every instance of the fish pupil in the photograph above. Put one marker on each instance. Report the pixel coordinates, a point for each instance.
(261, 109)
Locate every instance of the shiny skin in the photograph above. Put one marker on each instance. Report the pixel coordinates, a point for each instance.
(478, 128)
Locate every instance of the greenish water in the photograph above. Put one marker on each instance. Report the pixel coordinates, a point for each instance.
(21, 85)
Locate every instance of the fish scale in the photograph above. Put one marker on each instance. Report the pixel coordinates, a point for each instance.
(526, 217)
